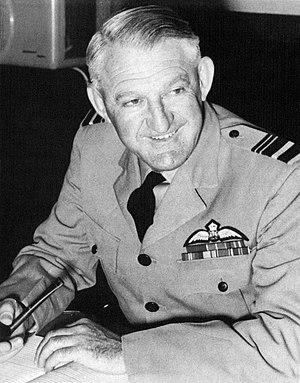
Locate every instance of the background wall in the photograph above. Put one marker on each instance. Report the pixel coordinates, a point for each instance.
(257, 76)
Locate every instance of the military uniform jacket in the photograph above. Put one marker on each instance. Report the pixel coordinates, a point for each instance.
(220, 289)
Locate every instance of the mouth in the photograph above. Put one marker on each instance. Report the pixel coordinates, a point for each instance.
(164, 137)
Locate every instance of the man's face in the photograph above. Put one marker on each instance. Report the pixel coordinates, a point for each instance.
(153, 99)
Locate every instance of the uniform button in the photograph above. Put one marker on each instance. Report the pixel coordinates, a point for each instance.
(222, 286)
(94, 249)
(151, 306)
(144, 259)
(234, 133)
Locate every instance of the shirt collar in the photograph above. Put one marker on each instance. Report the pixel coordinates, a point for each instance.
(145, 170)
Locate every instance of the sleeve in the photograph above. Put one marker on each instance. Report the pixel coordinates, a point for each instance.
(60, 249)
(262, 348)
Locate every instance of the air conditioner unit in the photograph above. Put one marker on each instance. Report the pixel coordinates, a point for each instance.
(46, 33)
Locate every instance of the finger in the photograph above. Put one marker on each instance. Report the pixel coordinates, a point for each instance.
(54, 344)
(19, 332)
(80, 327)
(84, 324)
(51, 334)
(11, 348)
(87, 358)
(16, 343)
(60, 357)
(5, 347)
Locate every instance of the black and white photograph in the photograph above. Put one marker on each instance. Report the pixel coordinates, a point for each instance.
(149, 191)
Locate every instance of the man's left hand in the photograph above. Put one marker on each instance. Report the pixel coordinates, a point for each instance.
(84, 342)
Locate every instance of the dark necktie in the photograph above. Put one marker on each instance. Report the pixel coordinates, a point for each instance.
(141, 203)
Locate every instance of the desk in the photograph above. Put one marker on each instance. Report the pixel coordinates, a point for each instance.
(21, 368)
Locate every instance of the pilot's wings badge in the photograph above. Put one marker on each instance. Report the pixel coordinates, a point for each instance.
(215, 242)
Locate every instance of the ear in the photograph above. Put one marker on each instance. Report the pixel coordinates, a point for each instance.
(97, 101)
(206, 71)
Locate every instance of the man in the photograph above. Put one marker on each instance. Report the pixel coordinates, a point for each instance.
(213, 283)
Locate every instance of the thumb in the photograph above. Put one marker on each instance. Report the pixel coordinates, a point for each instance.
(6, 318)
(7, 312)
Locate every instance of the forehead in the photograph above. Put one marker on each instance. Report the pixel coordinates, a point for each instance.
(125, 63)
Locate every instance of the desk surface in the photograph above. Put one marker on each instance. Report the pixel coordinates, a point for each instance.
(22, 369)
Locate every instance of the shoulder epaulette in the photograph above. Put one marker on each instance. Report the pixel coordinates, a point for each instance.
(92, 117)
(278, 147)
(263, 142)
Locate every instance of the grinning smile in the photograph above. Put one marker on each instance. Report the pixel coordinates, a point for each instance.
(165, 136)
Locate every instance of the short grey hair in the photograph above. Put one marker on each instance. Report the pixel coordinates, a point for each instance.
(141, 27)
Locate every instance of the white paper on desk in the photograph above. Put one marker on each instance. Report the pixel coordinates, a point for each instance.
(21, 368)
(76, 373)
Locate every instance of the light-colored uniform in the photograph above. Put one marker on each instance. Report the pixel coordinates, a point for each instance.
(219, 278)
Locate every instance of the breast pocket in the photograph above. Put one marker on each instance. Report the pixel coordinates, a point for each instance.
(214, 276)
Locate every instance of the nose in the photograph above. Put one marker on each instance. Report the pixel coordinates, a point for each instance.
(159, 119)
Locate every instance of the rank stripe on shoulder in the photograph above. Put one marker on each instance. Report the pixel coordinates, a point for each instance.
(292, 152)
(276, 144)
(262, 143)
(282, 149)
(278, 148)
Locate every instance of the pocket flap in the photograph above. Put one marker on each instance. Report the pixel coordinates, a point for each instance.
(214, 276)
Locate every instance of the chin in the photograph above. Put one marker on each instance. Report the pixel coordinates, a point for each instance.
(165, 166)
(165, 162)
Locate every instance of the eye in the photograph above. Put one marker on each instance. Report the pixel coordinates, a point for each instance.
(178, 90)
(133, 102)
